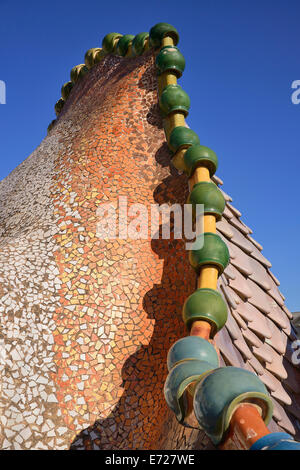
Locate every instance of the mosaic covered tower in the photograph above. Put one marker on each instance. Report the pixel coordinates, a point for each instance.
(121, 343)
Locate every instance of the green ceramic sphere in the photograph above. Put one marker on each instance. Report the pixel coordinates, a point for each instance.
(208, 305)
(214, 252)
(192, 347)
(208, 194)
(161, 30)
(108, 42)
(180, 377)
(66, 90)
(220, 391)
(138, 43)
(59, 106)
(174, 98)
(182, 137)
(123, 44)
(200, 155)
(170, 59)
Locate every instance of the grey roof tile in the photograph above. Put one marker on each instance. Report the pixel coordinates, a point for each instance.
(248, 228)
(287, 312)
(222, 363)
(255, 253)
(239, 225)
(231, 248)
(255, 243)
(249, 367)
(258, 334)
(259, 298)
(276, 365)
(267, 305)
(280, 320)
(294, 408)
(282, 418)
(226, 196)
(293, 376)
(273, 426)
(227, 294)
(251, 338)
(274, 278)
(274, 292)
(276, 410)
(278, 339)
(291, 332)
(259, 275)
(239, 320)
(227, 213)
(262, 353)
(281, 295)
(229, 272)
(235, 331)
(241, 344)
(253, 269)
(240, 240)
(290, 351)
(278, 316)
(239, 259)
(280, 394)
(232, 327)
(272, 383)
(287, 425)
(259, 369)
(237, 299)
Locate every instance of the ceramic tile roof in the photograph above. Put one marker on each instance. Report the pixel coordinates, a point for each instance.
(86, 353)
(87, 323)
(258, 334)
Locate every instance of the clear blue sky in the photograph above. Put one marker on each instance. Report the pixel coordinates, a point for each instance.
(242, 57)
